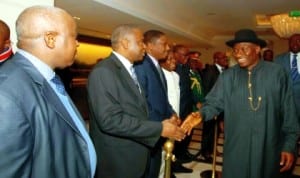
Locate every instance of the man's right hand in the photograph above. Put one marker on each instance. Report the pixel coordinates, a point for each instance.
(172, 131)
(191, 121)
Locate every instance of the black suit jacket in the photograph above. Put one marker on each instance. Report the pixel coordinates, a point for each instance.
(210, 75)
(120, 126)
(186, 95)
(38, 136)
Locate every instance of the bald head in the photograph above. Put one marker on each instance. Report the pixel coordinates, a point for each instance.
(49, 33)
(34, 21)
(4, 35)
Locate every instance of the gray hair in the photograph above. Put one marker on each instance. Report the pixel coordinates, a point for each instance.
(120, 32)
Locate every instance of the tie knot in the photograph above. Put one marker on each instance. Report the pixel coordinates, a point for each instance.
(59, 85)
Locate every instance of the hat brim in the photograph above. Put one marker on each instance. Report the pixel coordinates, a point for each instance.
(259, 42)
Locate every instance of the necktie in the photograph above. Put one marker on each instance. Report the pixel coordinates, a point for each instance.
(294, 69)
(59, 85)
(161, 76)
(134, 77)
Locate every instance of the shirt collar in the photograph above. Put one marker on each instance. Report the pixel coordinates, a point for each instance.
(42, 67)
(153, 60)
(124, 61)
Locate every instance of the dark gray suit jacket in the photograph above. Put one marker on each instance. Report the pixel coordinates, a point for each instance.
(284, 60)
(120, 127)
(38, 137)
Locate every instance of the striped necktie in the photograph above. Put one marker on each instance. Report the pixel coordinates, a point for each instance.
(294, 68)
(59, 85)
(134, 77)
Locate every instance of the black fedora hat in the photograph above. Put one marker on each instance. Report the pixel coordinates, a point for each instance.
(246, 35)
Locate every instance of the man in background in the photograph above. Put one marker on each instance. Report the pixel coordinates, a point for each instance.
(186, 104)
(5, 43)
(210, 75)
(291, 62)
(268, 55)
(42, 133)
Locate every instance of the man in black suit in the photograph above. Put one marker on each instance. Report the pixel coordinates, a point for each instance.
(210, 75)
(121, 129)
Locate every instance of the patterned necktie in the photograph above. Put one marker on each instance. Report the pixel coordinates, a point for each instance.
(59, 85)
(294, 69)
(134, 77)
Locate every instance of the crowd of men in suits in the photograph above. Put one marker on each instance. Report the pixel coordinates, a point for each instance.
(131, 116)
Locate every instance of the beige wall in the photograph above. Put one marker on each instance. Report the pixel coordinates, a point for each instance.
(10, 9)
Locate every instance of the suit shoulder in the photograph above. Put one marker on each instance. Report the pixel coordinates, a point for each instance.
(281, 57)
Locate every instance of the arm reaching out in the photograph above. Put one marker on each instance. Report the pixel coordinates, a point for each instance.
(191, 121)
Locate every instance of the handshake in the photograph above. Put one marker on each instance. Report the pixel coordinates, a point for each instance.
(173, 129)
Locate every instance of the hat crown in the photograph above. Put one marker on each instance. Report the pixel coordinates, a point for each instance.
(245, 34)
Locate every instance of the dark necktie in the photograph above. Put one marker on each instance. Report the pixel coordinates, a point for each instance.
(134, 77)
(161, 76)
(59, 85)
(294, 69)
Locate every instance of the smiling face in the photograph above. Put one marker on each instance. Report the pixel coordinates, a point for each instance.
(246, 54)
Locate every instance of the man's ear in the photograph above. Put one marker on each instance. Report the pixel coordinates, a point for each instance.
(50, 38)
(125, 43)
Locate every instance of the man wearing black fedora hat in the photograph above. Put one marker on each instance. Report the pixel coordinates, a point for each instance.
(261, 126)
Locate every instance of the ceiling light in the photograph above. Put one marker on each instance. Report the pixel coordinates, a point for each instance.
(286, 24)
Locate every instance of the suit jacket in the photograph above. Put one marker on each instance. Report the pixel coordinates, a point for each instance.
(284, 60)
(156, 95)
(210, 75)
(38, 136)
(186, 95)
(120, 128)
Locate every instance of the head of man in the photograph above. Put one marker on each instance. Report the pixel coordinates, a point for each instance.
(49, 33)
(127, 40)
(181, 54)
(294, 43)
(221, 59)
(169, 63)
(246, 48)
(268, 55)
(4, 36)
(156, 44)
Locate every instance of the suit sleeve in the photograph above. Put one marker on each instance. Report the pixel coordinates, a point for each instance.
(16, 140)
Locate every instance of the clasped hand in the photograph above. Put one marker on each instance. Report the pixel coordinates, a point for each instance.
(191, 121)
(172, 130)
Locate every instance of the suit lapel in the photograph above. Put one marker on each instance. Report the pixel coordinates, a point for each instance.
(46, 90)
(154, 69)
(58, 106)
(124, 74)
